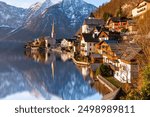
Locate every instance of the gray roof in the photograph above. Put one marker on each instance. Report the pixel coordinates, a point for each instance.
(88, 37)
(95, 22)
(118, 19)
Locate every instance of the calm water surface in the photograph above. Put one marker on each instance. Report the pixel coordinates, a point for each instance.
(41, 77)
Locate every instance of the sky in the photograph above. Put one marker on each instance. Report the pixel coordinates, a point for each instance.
(28, 3)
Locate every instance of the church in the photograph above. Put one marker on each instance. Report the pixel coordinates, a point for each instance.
(51, 40)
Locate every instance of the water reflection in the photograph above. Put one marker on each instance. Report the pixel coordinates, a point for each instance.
(45, 76)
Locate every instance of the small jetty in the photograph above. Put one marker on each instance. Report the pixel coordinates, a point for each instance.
(114, 91)
(80, 63)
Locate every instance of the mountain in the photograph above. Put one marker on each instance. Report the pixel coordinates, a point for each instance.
(68, 16)
(37, 9)
(126, 6)
(4, 31)
(11, 16)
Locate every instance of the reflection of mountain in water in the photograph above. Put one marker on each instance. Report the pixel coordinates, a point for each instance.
(19, 74)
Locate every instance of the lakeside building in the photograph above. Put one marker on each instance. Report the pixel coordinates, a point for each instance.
(43, 42)
(121, 57)
(87, 44)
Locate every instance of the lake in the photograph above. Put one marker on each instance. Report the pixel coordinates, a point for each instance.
(29, 76)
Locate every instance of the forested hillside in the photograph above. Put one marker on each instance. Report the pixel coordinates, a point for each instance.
(114, 6)
(123, 8)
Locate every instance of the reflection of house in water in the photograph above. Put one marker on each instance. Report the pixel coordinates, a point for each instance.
(43, 57)
(65, 57)
(84, 71)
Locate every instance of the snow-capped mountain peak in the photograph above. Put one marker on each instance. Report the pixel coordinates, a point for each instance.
(35, 6)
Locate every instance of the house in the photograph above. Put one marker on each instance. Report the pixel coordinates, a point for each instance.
(117, 23)
(90, 23)
(132, 27)
(66, 43)
(87, 44)
(141, 8)
(39, 43)
(103, 33)
(121, 57)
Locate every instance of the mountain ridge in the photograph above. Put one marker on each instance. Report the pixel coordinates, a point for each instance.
(68, 18)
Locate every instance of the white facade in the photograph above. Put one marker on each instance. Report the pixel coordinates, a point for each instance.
(65, 43)
(124, 73)
(84, 28)
(141, 8)
(87, 48)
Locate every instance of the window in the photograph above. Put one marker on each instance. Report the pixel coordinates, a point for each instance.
(117, 74)
(124, 23)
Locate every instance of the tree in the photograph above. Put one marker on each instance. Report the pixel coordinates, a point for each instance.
(119, 12)
(106, 16)
(146, 83)
(144, 93)
(105, 70)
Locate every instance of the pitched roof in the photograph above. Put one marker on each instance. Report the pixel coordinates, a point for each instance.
(130, 52)
(95, 22)
(118, 19)
(92, 15)
(88, 37)
(124, 51)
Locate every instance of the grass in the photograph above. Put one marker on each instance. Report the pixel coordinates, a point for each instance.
(114, 81)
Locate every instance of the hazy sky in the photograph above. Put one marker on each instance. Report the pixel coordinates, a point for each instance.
(27, 3)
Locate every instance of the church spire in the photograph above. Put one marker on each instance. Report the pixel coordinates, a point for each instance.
(53, 30)
(53, 36)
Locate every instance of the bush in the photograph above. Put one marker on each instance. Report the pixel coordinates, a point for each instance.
(104, 70)
(144, 93)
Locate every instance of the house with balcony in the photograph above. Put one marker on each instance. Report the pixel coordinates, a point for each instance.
(141, 8)
(121, 57)
(117, 23)
(87, 44)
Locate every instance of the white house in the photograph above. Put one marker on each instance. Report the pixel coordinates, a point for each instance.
(87, 44)
(65, 43)
(141, 8)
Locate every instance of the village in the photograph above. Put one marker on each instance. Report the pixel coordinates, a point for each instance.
(106, 47)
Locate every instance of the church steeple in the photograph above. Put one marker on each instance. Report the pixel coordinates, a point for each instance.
(53, 36)
(53, 30)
